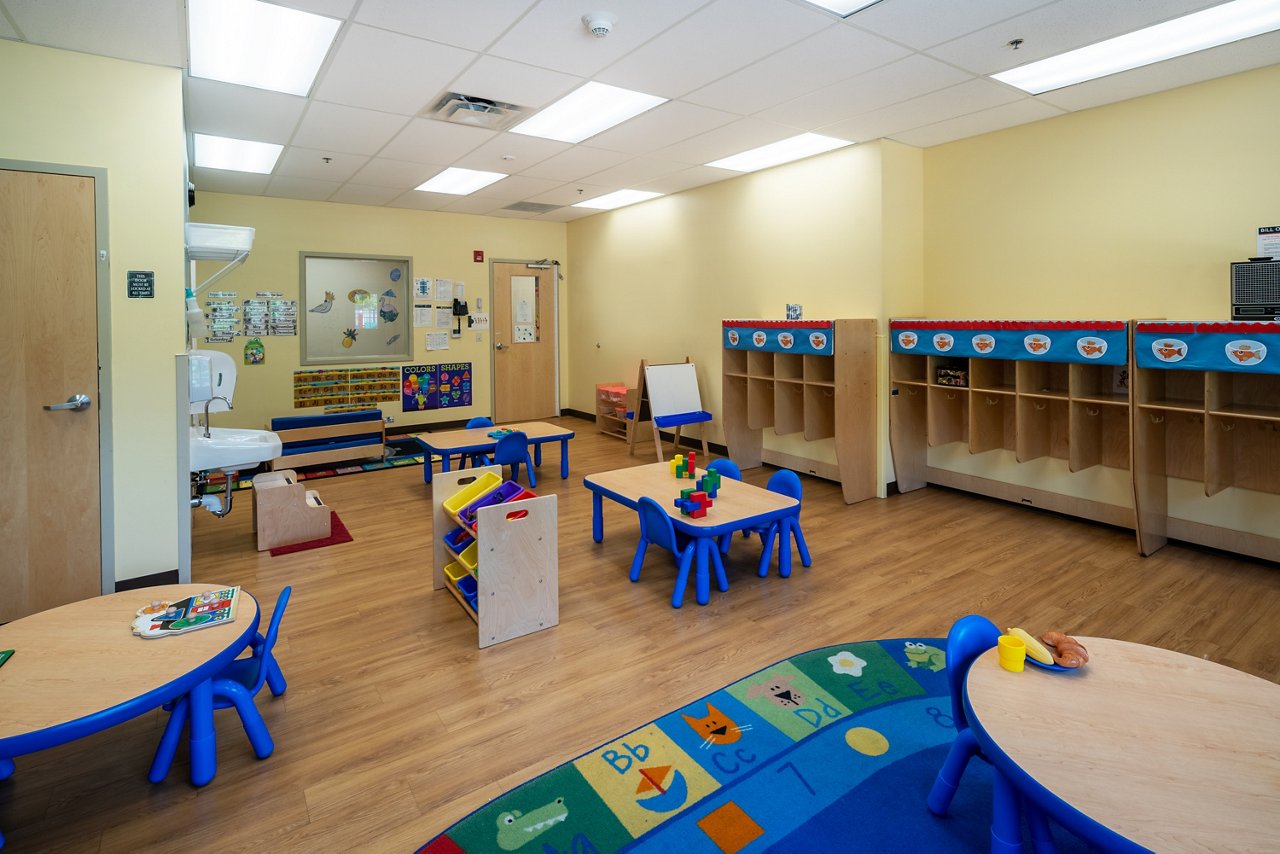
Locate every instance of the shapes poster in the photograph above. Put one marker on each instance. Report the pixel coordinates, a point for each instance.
(455, 384)
(419, 387)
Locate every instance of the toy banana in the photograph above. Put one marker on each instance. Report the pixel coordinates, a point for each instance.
(1035, 649)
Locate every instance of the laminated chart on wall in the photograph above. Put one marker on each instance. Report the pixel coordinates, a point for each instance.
(803, 337)
(255, 317)
(1244, 346)
(419, 387)
(345, 388)
(1098, 342)
(282, 316)
(222, 317)
(455, 384)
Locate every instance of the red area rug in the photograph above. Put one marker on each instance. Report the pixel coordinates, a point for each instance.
(338, 533)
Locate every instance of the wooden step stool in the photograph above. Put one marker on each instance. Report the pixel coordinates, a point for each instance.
(285, 512)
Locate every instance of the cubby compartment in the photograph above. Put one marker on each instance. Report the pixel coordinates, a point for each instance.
(948, 415)
(1100, 383)
(1044, 425)
(907, 369)
(949, 372)
(1172, 389)
(992, 421)
(819, 412)
(788, 406)
(993, 374)
(820, 370)
(1044, 379)
(1243, 395)
(1099, 435)
(1242, 452)
(759, 364)
(760, 408)
(788, 366)
(734, 362)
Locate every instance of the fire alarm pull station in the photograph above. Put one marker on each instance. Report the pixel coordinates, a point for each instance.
(477, 255)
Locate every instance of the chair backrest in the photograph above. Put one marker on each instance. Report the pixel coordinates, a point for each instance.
(479, 421)
(655, 524)
(725, 468)
(787, 483)
(969, 637)
(263, 650)
(511, 448)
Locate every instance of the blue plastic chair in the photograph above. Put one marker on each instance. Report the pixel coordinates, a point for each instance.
(474, 459)
(784, 529)
(727, 468)
(513, 450)
(656, 529)
(970, 637)
(236, 685)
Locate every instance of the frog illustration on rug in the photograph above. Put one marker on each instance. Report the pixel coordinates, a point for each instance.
(923, 655)
(715, 727)
(516, 828)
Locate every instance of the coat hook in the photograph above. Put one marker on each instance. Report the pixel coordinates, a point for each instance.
(1092, 410)
(1156, 419)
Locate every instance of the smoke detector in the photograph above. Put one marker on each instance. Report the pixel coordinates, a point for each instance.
(599, 23)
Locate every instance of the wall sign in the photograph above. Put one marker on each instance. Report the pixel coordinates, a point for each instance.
(141, 284)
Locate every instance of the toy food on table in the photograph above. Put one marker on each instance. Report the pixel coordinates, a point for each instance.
(1035, 649)
(1066, 650)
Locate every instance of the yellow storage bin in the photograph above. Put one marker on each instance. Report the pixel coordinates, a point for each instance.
(454, 571)
(482, 485)
(470, 556)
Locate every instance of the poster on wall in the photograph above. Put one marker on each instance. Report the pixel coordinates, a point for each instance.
(419, 389)
(455, 384)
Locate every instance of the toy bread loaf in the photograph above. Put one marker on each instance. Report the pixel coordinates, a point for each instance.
(1066, 650)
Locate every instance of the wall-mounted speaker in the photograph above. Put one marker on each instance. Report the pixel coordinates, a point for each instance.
(1255, 290)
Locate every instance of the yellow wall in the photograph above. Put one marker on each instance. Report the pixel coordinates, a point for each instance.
(440, 245)
(1135, 209)
(80, 110)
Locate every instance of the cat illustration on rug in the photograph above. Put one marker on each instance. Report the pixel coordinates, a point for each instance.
(715, 727)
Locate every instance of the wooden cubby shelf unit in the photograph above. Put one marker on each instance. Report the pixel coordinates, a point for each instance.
(815, 379)
(1207, 411)
(1038, 389)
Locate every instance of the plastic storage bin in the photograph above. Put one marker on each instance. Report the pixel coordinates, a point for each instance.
(458, 539)
(505, 492)
(482, 485)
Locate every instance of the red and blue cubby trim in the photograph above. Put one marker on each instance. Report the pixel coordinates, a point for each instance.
(805, 337)
(1245, 346)
(1090, 342)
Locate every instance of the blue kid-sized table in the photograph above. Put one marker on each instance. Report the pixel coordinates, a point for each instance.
(738, 505)
(78, 669)
(476, 440)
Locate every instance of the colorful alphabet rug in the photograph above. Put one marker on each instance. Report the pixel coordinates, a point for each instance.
(831, 750)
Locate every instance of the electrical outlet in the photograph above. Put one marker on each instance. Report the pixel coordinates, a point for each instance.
(388, 420)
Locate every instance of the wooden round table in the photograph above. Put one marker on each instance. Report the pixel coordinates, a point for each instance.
(1140, 747)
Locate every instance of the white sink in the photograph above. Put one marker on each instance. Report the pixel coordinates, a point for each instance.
(232, 449)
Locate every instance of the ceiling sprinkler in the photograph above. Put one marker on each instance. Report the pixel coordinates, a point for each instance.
(599, 23)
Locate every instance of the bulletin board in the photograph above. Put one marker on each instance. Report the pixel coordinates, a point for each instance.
(355, 308)
(672, 389)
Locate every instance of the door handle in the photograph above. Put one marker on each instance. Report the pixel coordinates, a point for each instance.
(499, 346)
(75, 403)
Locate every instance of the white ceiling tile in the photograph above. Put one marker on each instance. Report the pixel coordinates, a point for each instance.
(151, 31)
(567, 214)
(431, 141)
(418, 200)
(742, 135)
(388, 71)
(1057, 28)
(474, 204)
(961, 99)
(297, 162)
(571, 194)
(923, 23)
(552, 34)
(664, 125)
(635, 171)
(381, 172)
(459, 22)
(241, 112)
(698, 176)
(516, 188)
(226, 181)
(347, 129)
(575, 163)
(331, 8)
(301, 188)
(362, 194)
(826, 57)
(514, 82)
(711, 43)
(524, 151)
(889, 84)
(1246, 55)
(997, 118)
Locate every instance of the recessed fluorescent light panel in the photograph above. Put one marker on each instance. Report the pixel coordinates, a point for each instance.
(618, 199)
(257, 44)
(843, 8)
(238, 155)
(460, 182)
(1202, 30)
(783, 151)
(586, 111)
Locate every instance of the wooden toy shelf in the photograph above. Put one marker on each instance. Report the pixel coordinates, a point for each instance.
(1207, 411)
(611, 409)
(814, 378)
(1036, 389)
(513, 559)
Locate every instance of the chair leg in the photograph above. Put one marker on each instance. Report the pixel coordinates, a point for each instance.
(948, 780)
(528, 464)
(800, 543)
(784, 547)
(275, 677)
(1006, 817)
(1041, 837)
(250, 718)
(638, 560)
(7, 768)
(725, 541)
(722, 581)
(168, 746)
(682, 575)
(766, 548)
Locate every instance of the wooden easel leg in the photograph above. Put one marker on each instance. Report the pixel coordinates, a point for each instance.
(706, 452)
(657, 441)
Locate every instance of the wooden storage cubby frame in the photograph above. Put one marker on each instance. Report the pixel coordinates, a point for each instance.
(1032, 405)
(1207, 420)
(517, 572)
(608, 421)
(818, 395)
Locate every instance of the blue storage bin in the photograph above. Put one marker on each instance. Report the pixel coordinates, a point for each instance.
(458, 539)
(467, 586)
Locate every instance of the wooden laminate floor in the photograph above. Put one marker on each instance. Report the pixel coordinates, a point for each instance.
(395, 724)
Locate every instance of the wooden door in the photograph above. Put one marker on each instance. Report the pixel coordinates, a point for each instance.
(50, 524)
(525, 371)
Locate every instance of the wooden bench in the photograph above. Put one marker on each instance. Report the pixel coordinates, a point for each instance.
(309, 440)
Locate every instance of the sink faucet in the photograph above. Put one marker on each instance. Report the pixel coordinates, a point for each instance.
(206, 411)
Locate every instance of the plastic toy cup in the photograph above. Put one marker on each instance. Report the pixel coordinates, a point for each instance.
(1013, 653)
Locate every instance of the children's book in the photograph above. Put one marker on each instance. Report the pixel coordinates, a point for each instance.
(201, 611)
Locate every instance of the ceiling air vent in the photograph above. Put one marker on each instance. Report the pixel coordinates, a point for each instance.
(478, 112)
(532, 207)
